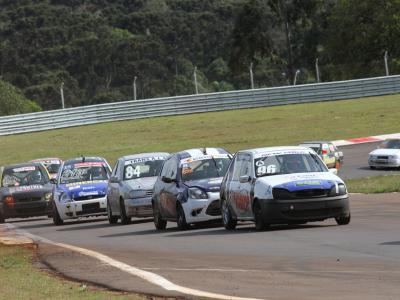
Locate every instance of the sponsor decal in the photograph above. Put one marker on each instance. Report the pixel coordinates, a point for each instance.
(143, 159)
(203, 157)
(304, 183)
(93, 193)
(241, 201)
(284, 152)
(26, 188)
(89, 164)
(24, 169)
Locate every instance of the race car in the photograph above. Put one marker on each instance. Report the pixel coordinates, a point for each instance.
(328, 152)
(386, 156)
(52, 165)
(130, 187)
(187, 189)
(81, 188)
(25, 191)
(281, 185)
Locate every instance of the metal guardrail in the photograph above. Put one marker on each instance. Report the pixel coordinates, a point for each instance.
(129, 110)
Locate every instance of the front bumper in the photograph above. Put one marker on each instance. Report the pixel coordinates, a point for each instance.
(304, 210)
(27, 209)
(384, 163)
(201, 210)
(84, 208)
(139, 207)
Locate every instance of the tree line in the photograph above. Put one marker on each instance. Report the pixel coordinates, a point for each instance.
(97, 47)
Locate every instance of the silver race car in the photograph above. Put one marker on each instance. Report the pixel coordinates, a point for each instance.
(387, 155)
(130, 187)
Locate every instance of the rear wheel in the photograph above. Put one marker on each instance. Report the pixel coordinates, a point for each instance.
(111, 219)
(227, 219)
(56, 216)
(258, 217)
(124, 218)
(158, 220)
(181, 220)
(343, 220)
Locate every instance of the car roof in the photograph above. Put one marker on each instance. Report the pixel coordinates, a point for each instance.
(84, 159)
(45, 159)
(315, 142)
(198, 152)
(143, 155)
(21, 165)
(265, 150)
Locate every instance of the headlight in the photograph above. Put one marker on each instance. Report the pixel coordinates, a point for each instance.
(48, 196)
(196, 193)
(338, 190)
(137, 194)
(342, 189)
(65, 198)
(372, 157)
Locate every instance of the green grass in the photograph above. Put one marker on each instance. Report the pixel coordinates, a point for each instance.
(376, 184)
(234, 130)
(19, 279)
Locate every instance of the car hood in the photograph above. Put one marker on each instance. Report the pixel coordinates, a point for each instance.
(208, 185)
(145, 183)
(79, 189)
(385, 152)
(301, 181)
(34, 190)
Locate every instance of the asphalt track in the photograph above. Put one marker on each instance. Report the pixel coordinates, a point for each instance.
(313, 261)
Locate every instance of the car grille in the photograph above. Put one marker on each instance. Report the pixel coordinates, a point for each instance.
(383, 157)
(284, 194)
(312, 213)
(213, 209)
(31, 199)
(89, 197)
(90, 208)
(149, 193)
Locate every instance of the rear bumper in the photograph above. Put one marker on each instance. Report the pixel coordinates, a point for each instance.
(304, 210)
(28, 209)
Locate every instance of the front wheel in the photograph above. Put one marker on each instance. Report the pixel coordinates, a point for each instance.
(181, 220)
(258, 217)
(227, 219)
(111, 219)
(56, 216)
(372, 167)
(125, 220)
(344, 220)
(158, 220)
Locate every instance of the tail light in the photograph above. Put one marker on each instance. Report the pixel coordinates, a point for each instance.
(9, 201)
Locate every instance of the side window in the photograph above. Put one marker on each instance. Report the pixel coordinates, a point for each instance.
(166, 168)
(173, 169)
(246, 166)
(230, 170)
(240, 166)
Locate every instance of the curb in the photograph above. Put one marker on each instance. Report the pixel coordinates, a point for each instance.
(368, 139)
(10, 237)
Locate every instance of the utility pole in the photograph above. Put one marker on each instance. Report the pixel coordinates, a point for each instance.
(62, 94)
(134, 87)
(251, 76)
(295, 77)
(386, 63)
(195, 80)
(317, 69)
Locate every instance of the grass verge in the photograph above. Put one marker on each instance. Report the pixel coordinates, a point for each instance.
(233, 130)
(20, 279)
(376, 184)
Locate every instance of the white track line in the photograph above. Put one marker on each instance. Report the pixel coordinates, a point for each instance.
(148, 276)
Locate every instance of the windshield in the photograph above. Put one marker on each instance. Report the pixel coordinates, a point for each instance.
(315, 147)
(88, 171)
(391, 144)
(24, 176)
(149, 168)
(206, 168)
(288, 164)
(52, 167)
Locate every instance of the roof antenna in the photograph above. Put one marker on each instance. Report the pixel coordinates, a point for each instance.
(204, 151)
(83, 158)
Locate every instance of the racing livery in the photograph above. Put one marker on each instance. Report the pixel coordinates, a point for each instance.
(282, 185)
(130, 187)
(80, 189)
(330, 155)
(51, 164)
(386, 156)
(187, 189)
(25, 191)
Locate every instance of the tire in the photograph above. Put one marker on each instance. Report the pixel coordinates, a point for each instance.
(159, 223)
(125, 220)
(372, 168)
(343, 220)
(258, 217)
(111, 219)
(56, 216)
(2, 219)
(181, 219)
(227, 219)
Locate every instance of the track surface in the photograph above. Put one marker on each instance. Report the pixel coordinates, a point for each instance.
(314, 261)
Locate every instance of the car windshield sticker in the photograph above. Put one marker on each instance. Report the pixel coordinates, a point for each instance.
(270, 169)
(285, 152)
(89, 164)
(24, 169)
(259, 163)
(143, 159)
(131, 172)
(204, 157)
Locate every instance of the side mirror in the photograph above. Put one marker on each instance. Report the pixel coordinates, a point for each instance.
(244, 178)
(114, 179)
(167, 179)
(53, 181)
(333, 171)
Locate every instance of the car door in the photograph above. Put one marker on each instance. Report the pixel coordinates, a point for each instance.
(240, 189)
(113, 187)
(167, 192)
